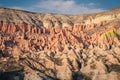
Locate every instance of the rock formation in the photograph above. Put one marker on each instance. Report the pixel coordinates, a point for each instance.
(61, 47)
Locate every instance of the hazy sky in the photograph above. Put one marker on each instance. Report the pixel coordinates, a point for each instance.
(61, 6)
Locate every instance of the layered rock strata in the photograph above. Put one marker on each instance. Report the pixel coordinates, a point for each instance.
(47, 47)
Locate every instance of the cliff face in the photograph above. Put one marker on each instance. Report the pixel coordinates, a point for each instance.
(55, 46)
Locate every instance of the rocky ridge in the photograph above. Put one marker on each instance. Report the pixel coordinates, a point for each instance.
(61, 47)
(55, 20)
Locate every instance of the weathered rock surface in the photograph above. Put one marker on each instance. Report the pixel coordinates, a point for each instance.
(56, 20)
(61, 47)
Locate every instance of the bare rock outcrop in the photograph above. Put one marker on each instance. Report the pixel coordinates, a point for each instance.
(61, 47)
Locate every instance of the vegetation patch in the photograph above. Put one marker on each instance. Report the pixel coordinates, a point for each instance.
(113, 67)
(93, 66)
(109, 34)
(13, 68)
(57, 61)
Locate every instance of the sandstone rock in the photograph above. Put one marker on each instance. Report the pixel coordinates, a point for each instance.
(16, 52)
(47, 24)
(56, 46)
(111, 76)
(32, 75)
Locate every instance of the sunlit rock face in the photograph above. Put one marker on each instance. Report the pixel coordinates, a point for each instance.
(60, 47)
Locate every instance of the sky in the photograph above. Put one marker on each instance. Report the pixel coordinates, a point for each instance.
(61, 6)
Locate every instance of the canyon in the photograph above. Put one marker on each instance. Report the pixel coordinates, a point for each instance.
(60, 47)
